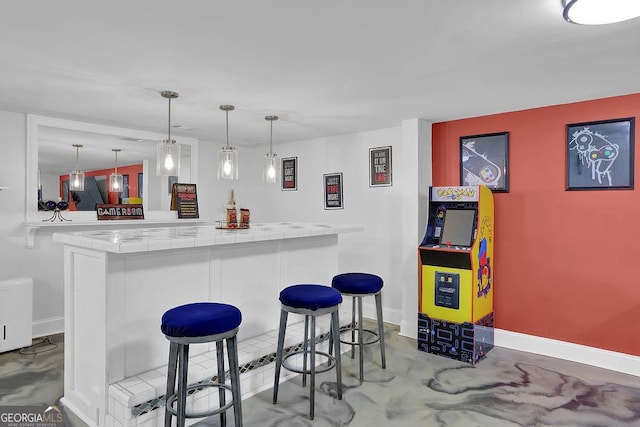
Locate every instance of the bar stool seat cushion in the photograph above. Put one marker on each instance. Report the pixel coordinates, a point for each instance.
(311, 297)
(200, 319)
(357, 283)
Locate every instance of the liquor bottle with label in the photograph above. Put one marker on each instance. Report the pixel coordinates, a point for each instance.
(232, 212)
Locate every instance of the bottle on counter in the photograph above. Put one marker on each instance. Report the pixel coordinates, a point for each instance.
(244, 218)
(232, 212)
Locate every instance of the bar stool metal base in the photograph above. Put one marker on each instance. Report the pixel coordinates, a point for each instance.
(309, 348)
(357, 327)
(179, 358)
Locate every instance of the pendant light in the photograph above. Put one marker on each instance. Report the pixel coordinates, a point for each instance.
(270, 171)
(168, 155)
(115, 180)
(76, 177)
(598, 12)
(227, 156)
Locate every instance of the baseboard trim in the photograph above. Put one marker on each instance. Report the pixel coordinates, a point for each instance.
(601, 358)
(51, 326)
(606, 359)
(409, 329)
(369, 311)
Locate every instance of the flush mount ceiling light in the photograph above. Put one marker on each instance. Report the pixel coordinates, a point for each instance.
(599, 12)
(227, 156)
(168, 153)
(76, 177)
(115, 179)
(270, 171)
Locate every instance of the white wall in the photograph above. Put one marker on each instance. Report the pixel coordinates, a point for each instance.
(43, 263)
(382, 248)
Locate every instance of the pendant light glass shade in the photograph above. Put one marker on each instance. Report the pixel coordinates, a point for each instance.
(599, 12)
(270, 172)
(227, 163)
(227, 156)
(168, 158)
(76, 177)
(115, 179)
(270, 169)
(168, 152)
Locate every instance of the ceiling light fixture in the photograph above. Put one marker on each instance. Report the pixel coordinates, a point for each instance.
(168, 155)
(115, 180)
(599, 12)
(76, 177)
(270, 171)
(227, 156)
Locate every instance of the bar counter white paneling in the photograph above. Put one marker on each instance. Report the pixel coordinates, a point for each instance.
(118, 283)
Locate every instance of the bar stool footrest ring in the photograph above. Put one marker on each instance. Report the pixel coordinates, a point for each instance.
(173, 411)
(330, 364)
(374, 333)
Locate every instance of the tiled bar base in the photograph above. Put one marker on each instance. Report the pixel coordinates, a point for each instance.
(138, 401)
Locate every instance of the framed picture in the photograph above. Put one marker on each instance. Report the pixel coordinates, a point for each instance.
(65, 190)
(125, 187)
(170, 181)
(380, 172)
(289, 174)
(332, 190)
(140, 184)
(600, 155)
(484, 160)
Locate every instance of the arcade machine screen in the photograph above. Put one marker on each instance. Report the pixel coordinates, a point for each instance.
(457, 229)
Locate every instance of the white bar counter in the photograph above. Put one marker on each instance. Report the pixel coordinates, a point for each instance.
(118, 283)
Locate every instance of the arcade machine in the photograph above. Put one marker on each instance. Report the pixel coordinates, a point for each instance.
(455, 317)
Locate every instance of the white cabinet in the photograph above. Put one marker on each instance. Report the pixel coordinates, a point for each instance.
(16, 309)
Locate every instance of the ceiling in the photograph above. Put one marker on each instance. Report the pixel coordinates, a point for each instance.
(325, 67)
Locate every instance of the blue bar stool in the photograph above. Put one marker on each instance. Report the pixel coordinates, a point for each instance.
(201, 322)
(311, 301)
(357, 286)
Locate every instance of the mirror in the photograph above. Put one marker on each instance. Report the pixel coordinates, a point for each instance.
(51, 155)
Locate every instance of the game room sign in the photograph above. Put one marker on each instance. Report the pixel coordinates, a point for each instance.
(106, 212)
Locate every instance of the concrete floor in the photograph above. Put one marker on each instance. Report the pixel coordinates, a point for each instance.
(507, 388)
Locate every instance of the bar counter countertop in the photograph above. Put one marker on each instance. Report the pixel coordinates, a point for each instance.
(161, 238)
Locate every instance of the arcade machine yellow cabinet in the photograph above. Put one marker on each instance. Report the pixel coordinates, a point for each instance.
(455, 317)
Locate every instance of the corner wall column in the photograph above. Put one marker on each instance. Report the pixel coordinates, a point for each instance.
(414, 177)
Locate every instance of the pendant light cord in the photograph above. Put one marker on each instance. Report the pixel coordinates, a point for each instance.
(77, 156)
(271, 119)
(271, 138)
(227, 111)
(169, 123)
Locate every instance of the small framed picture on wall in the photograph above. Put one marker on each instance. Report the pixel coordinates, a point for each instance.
(170, 181)
(289, 174)
(380, 171)
(484, 160)
(333, 190)
(600, 155)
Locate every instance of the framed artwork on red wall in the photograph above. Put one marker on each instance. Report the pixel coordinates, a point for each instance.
(600, 155)
(484, 160)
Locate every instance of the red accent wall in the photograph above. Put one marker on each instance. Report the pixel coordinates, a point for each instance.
(567, 262)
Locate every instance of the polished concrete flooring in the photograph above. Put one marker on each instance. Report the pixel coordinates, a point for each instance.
(508, 388)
